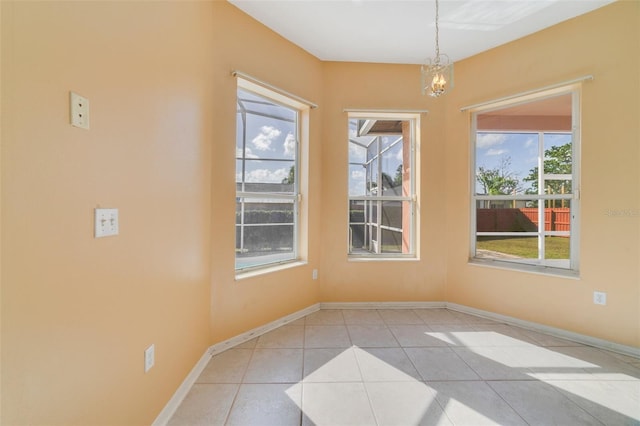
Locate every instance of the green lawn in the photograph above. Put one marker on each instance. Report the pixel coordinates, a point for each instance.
(526, 247)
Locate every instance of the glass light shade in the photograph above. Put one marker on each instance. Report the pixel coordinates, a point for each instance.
(437, 76)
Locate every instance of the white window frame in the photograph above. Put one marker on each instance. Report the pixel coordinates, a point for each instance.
(298, 197)
(413, 254)
(540, 265)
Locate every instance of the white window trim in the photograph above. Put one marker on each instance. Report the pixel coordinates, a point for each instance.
(414, 118)
(532, 266)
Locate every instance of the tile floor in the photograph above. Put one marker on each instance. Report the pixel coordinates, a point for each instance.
(412, 367)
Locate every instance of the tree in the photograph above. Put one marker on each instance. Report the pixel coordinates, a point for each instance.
(291, 179)
(557, 161)
(499, 180)
(397, 180)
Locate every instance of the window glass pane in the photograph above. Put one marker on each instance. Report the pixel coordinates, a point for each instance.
(372, 177)
(506, 216)
(269, 138)
(357, 220)
(269, 176)
(357, 184)
(259, 105)
(391, 161)
(392, 214)
(557, 186)
(267, 234)
(557, 217)
(506, 163)
(557, 153)
(266, 159)
(387, 141)
(357, 153)
(391, 241)
(557, 247)
(373, 211)
(378, 226)
(507, 248)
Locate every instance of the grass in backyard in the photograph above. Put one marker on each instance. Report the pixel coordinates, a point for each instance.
(526, 247)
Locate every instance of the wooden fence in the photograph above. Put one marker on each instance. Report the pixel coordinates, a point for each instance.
(522, 219)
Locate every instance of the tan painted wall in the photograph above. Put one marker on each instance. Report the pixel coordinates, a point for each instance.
(377, 86)
(604, 43)
(78, 312)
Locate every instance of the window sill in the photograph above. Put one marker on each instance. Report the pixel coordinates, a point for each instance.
(267, 269)
(352, 258)
(522, 267)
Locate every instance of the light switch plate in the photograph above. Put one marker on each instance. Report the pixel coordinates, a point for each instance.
(79, 110)
(149, 357)
(106, 222)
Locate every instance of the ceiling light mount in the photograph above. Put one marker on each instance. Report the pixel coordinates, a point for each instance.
(437, 72)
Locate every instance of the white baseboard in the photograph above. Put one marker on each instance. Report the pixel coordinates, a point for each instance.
(258, 331)
(552, 331)
(382, 305)
(177, 398)
(183, 390)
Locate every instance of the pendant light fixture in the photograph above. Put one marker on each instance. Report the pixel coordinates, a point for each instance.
(437, 72)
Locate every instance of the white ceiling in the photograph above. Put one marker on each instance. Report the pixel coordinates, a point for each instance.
(403, 31)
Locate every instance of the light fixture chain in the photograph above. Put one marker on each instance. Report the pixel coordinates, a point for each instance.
(437, 36)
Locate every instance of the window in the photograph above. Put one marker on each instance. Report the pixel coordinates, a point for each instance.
(267, 177)
(382, 185)
(525, 183)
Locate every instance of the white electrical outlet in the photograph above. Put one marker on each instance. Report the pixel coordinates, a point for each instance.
(599, 298)
(106, 222)
(314, 274)
(79, 110)
(149, 357)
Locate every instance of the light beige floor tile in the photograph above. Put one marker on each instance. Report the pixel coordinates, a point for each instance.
(546, 363)
(440, 364)
(541, 404)
(335, 404)
(439, 316)
(266, 404)
(503, 335)
(326, 336)
(287, 336)
(550, 380)
(299, 322)
(372, 336)
(226, 367)
(325, 317)
(613, 402)
(624, 358)
(604, 365)
(485, 335)
(362, 316)
(250, 344)
(275, 366)
(472, 319)
(205, 404)
(474, 404)
(548, 340)
(405, 403)
(400, 316)
(331, 365)
(494, 363)
(385, 365)
(416, 336)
